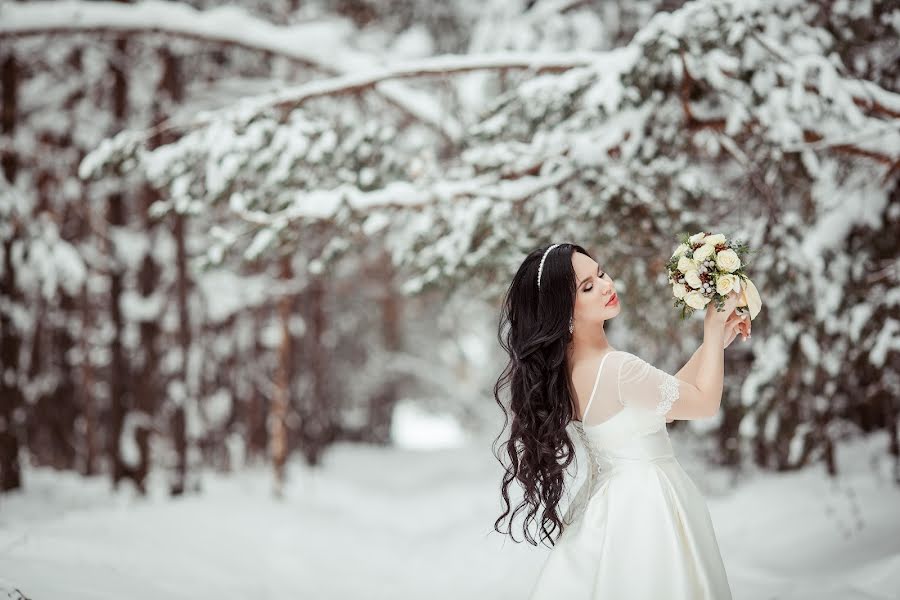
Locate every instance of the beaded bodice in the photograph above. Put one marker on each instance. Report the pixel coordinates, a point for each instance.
(624, 421)
(625, 441)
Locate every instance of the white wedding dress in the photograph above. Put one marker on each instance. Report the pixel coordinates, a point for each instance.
(638, 528)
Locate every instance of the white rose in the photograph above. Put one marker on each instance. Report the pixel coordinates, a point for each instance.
(685, 264)
(680, 250)
(727, 260)
(696, 238)
(693, 279)
(726, 283)
(679, 290)
(716, 240)
(704, 251)
(696, 300)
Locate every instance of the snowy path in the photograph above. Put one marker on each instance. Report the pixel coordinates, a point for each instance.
(393, 523)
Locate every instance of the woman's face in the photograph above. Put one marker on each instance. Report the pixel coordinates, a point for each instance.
(595, 290)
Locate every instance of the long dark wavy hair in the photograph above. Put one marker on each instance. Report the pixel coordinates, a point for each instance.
(534, 332)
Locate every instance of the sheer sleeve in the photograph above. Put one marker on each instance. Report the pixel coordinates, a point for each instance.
(625, 379)
(646, 386)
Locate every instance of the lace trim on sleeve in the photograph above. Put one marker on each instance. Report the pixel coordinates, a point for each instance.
(668, 393)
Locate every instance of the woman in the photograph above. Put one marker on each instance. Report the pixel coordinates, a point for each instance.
(638, 528)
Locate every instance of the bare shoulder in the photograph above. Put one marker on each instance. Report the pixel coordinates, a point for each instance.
(591, 363)
(586, 369)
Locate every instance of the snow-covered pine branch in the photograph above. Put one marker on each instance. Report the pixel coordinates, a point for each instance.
(690, 84)
(324, 46)
(295, 97)
(707, 117)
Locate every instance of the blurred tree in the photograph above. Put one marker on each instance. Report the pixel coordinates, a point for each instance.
(612, 124)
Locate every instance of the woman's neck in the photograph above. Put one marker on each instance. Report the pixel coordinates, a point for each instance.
(592, 344)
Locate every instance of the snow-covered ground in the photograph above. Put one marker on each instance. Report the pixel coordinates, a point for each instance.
(399, 523)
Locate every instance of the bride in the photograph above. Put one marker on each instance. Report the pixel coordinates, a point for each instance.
(638, 528)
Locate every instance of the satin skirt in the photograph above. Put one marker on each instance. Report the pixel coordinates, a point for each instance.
(645, 533)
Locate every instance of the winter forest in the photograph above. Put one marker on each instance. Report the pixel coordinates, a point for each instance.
(252, 256)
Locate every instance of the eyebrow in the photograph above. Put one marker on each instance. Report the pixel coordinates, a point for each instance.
(588, 277)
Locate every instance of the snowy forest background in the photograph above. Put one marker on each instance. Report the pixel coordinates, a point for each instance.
(251, 260)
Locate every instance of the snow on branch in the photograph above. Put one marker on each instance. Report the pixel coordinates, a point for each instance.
(316, 44)
(126, 143)
(294, 97)
(321, 45)
(646, 121)
(886, 105)
(399, 195)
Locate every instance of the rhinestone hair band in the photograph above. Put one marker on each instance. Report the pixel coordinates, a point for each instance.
(541, 267)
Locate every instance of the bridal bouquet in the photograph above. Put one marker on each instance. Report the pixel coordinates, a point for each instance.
(706, 268)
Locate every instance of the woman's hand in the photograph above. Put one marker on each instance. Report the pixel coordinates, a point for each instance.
(737, 324)
(719, 317)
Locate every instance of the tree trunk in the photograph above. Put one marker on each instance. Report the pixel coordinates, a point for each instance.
(88, 405)
(11, 398)
(64, 398)
(117, 387)
(10, 394)
(281, 399)
(179, 423)
(316, 429)
(381, 407)
(116, 218)
(149, 390)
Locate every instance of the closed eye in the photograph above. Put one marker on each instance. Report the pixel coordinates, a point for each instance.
(601, 274)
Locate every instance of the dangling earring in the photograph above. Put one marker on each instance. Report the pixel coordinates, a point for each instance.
(571, 325)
